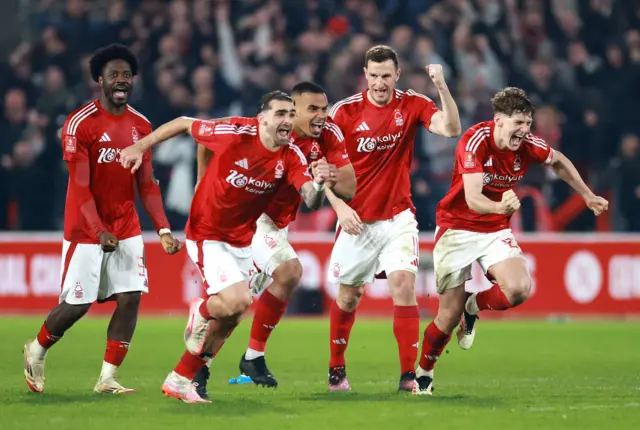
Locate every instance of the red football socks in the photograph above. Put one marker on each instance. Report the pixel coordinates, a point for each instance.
(493, 299)
(45, 338)
(269, 312)
(204, 311)
(340, 324)
(406, 328)
(433, 344)
(115, 352)
(189, 365)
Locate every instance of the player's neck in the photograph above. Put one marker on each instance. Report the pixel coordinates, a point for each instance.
(267, 142)
(375, 103)
(299, 132)
(500, 143)
(110, 108)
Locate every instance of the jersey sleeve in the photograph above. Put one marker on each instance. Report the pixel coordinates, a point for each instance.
(334, 145)
(75, 139)
(297, 167)
(539, 151)
(471, 151)
(216, 135)
(424, 106)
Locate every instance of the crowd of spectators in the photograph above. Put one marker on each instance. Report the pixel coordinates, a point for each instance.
(578, 60)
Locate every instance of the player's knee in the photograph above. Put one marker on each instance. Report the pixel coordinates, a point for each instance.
(238, 305)
(403, 288)
(349, 297)
(517, 290)
(288, 275)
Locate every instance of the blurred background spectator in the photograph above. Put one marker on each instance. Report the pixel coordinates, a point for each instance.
(578, 60)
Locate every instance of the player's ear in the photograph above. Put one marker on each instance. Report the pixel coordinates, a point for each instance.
(398, 74)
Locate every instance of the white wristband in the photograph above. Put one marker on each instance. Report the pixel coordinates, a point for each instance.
(164, 231)
(317, 186)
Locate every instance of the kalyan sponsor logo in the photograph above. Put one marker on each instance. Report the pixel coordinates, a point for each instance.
(500, 181)
(252, 185)
(108, 155)
(380, 143)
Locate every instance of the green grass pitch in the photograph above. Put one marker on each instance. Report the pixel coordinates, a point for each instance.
(519, 375)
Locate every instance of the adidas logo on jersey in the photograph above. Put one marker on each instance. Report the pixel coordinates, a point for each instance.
(363, 127)
(489, 163)
(242, 163)
(105, 138)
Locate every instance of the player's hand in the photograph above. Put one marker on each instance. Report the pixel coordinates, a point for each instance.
(349, 221)
(509, 204)
(131, 156)
(170, 244)
(436, 74)
(108, 242)
(322, 172)
(597, 204)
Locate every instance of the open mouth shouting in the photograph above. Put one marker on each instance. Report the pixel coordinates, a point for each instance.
(516, 140)
(120, 93)
(283, 132)
(316, 127)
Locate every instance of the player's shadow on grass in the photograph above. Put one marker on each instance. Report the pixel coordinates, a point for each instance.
(233, 407)
(458, 399)
(58, 398)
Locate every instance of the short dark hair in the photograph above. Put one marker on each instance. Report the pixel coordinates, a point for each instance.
(265, 100)
(307, 87)
(512, 100)
(109, 53)
(380, 54)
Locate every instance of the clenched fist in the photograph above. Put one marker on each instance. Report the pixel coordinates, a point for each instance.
(597, 204)
(324, 173)
(509, 204)
(436, 74)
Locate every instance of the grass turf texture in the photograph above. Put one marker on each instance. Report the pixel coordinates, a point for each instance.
(518, 375)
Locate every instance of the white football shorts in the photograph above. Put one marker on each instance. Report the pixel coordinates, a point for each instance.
(89, 274)
(456, 250)
(221, 265)
(384, 246)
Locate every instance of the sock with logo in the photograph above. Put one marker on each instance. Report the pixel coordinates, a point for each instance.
(43, 342)
(113, 357)
(269, 312)
(433, 344)
(340, 324)
(406, 328)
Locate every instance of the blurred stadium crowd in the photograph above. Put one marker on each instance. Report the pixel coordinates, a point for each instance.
(579, 60)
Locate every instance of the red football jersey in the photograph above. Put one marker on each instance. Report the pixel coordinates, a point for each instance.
(283, 208)
(92, 135)
(240, 180)
(379, 141)
(502, 170)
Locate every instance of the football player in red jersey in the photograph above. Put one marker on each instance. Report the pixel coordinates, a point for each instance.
(473, 223)
(274, 257)
(253, 158)
(378, 233)
(103, 254)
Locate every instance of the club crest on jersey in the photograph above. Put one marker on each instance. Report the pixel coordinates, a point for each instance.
(397, 115)
(134, 135)
(315, 151)
(517, 163)
(205, 129)
(70, 143)
(469, 160)
(279, 170)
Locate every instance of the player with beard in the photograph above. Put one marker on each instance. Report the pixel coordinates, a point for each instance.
(378, 233)
(103, 253)
(253, 160)
(473, 221)
(318, 137)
